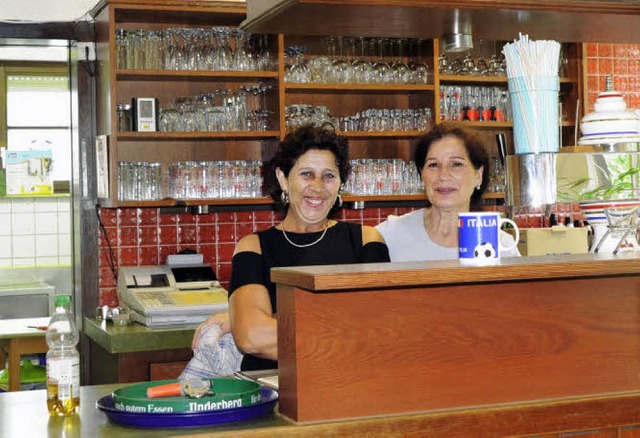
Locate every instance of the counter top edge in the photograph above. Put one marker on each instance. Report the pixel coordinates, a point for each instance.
(407, 274)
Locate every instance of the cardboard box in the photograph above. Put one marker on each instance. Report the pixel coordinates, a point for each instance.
(555, 240)
(28, 172)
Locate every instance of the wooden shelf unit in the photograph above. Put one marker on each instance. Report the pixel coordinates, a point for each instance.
(120, 85)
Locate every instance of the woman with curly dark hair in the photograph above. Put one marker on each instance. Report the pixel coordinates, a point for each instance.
(453, 166)
(304, 178)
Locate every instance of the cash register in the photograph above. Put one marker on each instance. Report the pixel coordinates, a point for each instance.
(171, 294)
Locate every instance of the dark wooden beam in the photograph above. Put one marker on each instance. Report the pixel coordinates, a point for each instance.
(82, 31)
(569, 20)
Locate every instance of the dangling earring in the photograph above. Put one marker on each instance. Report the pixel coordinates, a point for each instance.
(284, 198)
(338, 201)
(478, 187)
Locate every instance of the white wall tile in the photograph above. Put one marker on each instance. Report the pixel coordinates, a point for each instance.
(24, 246)
(64, 260)
(5, 205)
(22, 205)
(40, 261)
(24, 261)
(47, 245)
(46, 223)
(64, 223)
(64, 204)
(23, 223)
(46, 204)
(64, 244)
(5, 247)
(5, 224)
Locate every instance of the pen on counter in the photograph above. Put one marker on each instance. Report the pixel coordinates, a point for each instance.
(38, 327)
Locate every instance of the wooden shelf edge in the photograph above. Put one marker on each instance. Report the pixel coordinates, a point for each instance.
(112, 203)
(489, 79)
(358, 88)
(382, 198)
(493, 195)
(154, 136)
(374, 134)
(192, 74)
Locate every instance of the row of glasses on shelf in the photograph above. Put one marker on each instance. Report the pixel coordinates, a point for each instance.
(468, 66)
(359, 61)
(367, 120)
(212, 49)
(218, 110)
(383, 177)
(478, 61)
(139, 181)
(384, 119)
(215, 179)
(474, 103)
(143, 181)
(186, 180)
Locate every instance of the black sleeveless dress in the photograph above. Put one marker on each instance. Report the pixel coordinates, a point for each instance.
(342, 244)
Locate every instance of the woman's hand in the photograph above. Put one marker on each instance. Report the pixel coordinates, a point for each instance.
(221, 319)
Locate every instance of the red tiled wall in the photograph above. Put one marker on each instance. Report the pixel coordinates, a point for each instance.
(143, 236)
(622, 62)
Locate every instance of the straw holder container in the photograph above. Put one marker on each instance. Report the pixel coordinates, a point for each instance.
(536, 121)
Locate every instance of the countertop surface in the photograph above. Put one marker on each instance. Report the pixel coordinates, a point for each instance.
(22, 327)
(24, 414)
(384, 275)
(137, 337)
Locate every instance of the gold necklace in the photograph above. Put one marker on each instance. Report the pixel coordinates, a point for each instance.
(307, 244)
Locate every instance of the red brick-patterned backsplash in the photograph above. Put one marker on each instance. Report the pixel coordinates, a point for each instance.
(622, 62)
(145, 236)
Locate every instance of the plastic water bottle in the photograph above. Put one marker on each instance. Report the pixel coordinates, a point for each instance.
(63, 361)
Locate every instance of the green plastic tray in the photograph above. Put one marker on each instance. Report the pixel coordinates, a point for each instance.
(230, 393)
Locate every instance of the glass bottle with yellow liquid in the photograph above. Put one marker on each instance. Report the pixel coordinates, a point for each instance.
(63, 361)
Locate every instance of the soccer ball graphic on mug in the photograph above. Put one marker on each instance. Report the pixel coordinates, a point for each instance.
(484, 251)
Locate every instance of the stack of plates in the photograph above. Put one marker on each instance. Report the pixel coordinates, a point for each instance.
(594, 211)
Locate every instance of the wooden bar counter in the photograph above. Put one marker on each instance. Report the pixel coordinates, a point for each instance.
(388, 339)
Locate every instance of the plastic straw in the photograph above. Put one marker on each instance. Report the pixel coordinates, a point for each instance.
(532, 70)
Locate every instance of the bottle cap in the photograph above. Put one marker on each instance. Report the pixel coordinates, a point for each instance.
(62, 300)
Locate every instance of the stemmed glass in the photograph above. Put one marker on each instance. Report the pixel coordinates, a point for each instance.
(242, 60)
(381, 69)
(400, 70)
(480, 68)
(419, 68)
(223, 56)
(361, 67)
(341, 68)
(299, 70)
(467, 65)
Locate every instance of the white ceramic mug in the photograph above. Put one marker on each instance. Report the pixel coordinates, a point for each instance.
(479, 237)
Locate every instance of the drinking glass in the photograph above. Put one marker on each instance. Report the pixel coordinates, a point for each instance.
(340, 67)
(381, 69)
(399, 70)
(419, 69)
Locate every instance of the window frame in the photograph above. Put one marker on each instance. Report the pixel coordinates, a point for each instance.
(8, 68)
